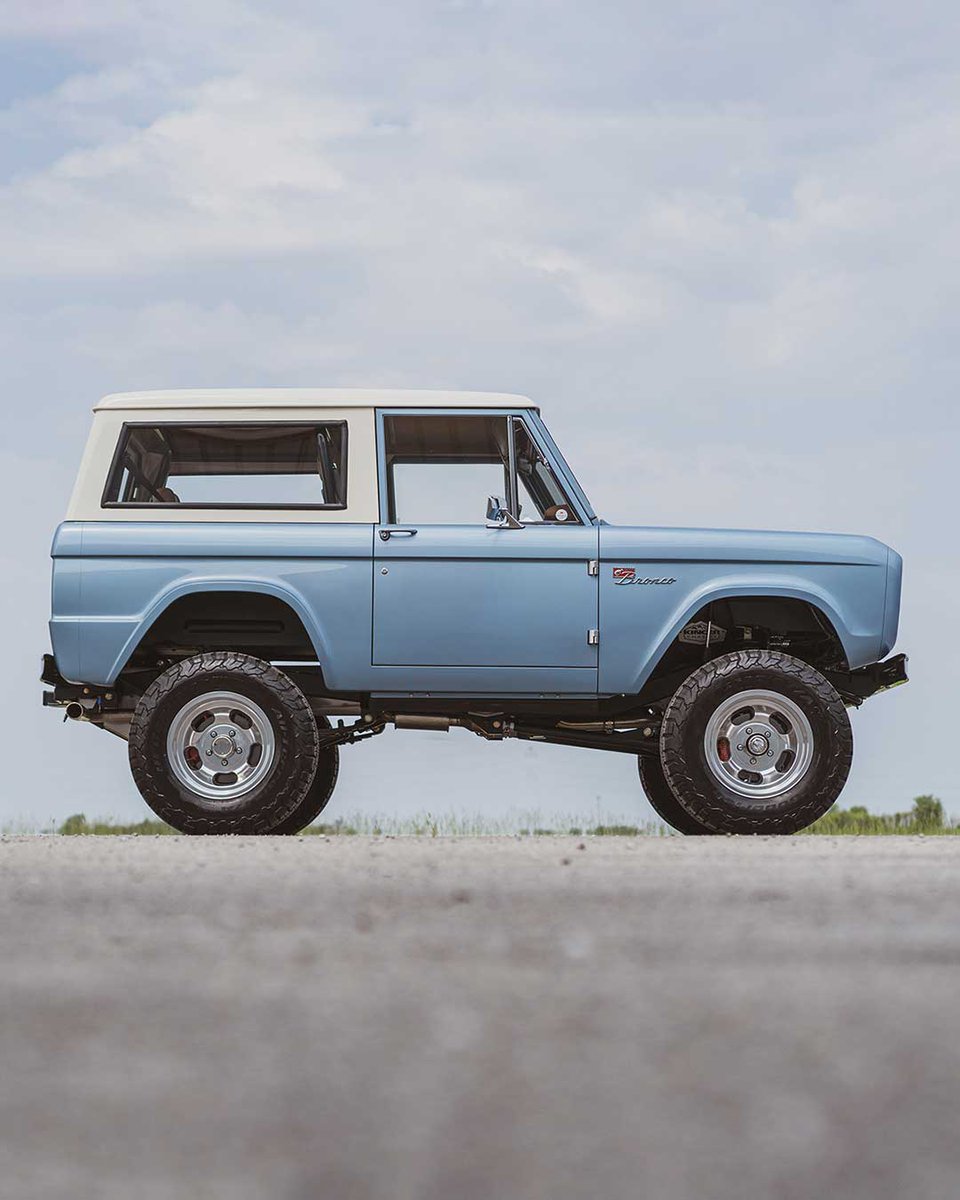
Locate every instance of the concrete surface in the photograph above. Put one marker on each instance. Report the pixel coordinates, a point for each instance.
(444, 1020)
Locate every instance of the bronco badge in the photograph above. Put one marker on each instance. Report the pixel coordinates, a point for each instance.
(625, 576)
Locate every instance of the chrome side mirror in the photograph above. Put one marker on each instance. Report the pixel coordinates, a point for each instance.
(498, 516)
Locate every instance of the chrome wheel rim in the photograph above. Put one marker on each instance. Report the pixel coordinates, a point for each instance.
(221, 746)
(758, 744)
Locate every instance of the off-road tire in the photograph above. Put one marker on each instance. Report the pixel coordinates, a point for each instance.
(282, 790)
(321, 790)
(684, 724)
(663, 802)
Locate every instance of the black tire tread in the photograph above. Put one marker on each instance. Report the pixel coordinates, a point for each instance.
(153, 779)
(662, 800)
(319, 793)
(702, 802)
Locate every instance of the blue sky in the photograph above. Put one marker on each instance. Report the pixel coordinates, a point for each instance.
(715, 241)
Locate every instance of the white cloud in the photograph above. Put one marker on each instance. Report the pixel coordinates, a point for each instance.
(234, 170)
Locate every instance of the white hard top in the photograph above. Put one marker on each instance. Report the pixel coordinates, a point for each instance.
(309, 398)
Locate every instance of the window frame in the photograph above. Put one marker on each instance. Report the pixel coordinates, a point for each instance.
(114, 474)
(535, 430)
(569, 500)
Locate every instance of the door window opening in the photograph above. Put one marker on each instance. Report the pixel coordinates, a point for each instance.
(441, 467)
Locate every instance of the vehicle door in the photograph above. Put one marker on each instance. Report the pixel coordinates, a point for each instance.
(483, 560)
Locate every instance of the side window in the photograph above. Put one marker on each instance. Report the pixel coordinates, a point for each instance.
(231, 466)
(542, 496)
(442, 467)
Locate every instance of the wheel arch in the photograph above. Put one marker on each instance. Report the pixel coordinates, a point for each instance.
(198, 589)
(813, 599)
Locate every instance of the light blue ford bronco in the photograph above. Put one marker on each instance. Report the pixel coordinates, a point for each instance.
(247, 580)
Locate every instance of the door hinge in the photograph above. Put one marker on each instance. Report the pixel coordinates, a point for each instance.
(593, 567)
(593, 637)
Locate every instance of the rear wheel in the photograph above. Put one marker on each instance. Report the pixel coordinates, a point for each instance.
(756, 742)
(321, 790)
(663, 802)
(223, 743)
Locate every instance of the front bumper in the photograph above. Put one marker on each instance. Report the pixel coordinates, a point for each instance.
(860, 685)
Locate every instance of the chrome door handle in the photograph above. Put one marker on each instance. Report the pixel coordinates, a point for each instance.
(387, 534)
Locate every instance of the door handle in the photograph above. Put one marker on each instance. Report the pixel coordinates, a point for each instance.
(387, 534)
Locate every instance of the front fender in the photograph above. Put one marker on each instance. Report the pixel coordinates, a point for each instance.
(682, 616)
(641, 622)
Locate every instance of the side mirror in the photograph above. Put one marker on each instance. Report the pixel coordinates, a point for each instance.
(498, 517)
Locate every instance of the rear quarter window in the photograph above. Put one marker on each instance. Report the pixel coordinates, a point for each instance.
(239, 465)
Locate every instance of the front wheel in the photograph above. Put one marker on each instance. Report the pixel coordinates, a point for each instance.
(223, 743)
(662, 800)
(756, 742)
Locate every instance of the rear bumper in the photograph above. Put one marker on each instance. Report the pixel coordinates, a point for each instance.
(860, 685)
(63, 690)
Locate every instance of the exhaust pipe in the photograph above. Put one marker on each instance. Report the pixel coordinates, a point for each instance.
(415, 721)
(75, 711)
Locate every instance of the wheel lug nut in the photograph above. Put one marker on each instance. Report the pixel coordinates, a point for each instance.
(753, 762)
(739, 747)
(224, 761)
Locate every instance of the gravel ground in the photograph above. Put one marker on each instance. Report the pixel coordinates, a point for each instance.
(443, 1020)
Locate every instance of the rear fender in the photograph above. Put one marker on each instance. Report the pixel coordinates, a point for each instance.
(200, 586)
